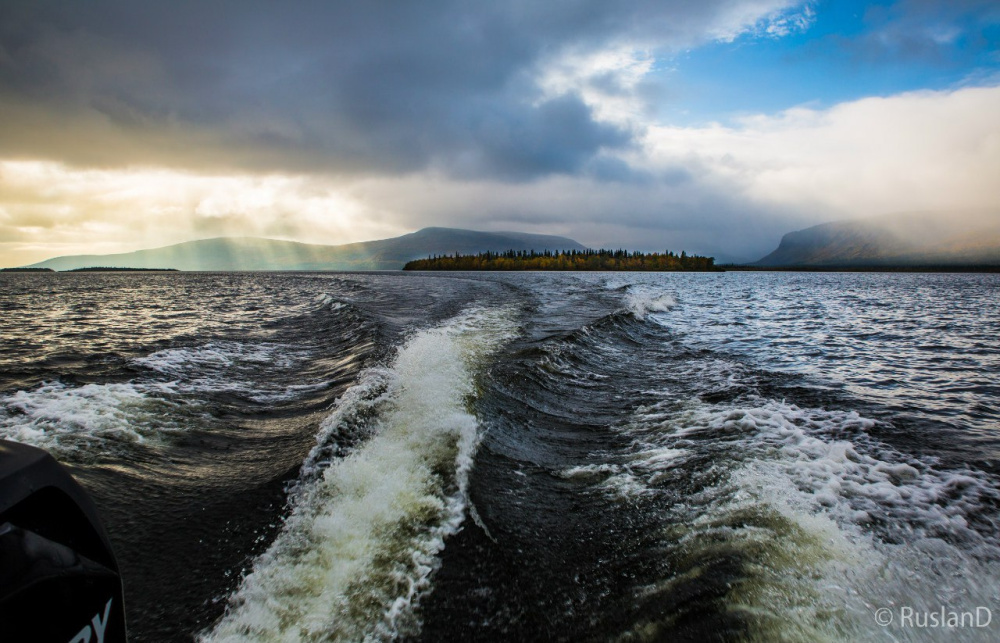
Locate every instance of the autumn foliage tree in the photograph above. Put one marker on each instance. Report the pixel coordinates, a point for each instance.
(567, 260)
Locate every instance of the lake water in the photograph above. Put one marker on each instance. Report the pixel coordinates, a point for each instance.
(524, 456)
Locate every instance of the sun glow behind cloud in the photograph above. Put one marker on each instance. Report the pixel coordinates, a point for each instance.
(49, 207)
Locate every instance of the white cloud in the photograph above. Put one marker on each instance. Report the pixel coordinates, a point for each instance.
(605, 79)
(913, 151)
(610, 78)
(762, 18)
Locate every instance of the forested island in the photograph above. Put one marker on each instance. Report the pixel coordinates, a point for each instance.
(598, 260)
(26, 270)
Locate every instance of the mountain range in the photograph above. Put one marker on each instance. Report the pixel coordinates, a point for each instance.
(251, 253)
(904, 240)
(911, 239)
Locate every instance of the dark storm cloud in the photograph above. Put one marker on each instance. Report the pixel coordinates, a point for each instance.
(383, 87)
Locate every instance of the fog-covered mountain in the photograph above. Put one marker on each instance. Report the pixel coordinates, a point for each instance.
(964, 238)
(249, 253)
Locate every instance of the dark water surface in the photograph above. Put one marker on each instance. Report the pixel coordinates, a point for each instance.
(526, 456)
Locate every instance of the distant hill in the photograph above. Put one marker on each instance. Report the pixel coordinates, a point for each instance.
(931, 239)
(250, 253)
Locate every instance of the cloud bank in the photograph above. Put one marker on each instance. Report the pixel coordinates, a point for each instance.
(367, 87)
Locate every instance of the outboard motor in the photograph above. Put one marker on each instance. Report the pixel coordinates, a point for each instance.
(59, 580)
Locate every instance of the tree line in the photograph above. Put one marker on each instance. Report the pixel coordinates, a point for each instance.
(567, 260)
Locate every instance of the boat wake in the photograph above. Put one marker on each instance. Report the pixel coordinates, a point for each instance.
(360, 543)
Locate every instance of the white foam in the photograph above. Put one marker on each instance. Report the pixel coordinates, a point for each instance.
(835, 523)
(216, 356)
(590, 472)
(630, 478)
(643, 300)
(71, 420)
(229, 367)
(364, 532)
(659, 459)
(855, 480)
(350, 420)
(89, 421)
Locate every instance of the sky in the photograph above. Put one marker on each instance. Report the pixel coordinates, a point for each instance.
(712, 126)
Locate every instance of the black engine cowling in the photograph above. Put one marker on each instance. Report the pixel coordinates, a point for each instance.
(58, 577)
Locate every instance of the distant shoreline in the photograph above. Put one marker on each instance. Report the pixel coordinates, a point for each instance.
(111, 269)
(974, 269)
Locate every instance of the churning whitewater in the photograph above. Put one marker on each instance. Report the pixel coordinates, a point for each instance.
(364, 531)
(520, 457)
